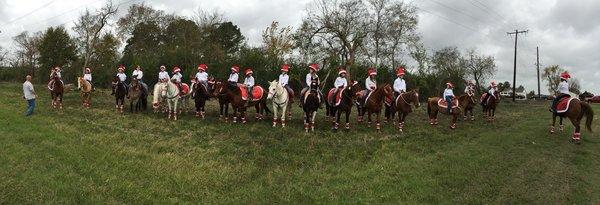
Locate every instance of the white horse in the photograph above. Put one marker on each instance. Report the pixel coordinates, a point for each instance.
(279, 96)
(169, 92)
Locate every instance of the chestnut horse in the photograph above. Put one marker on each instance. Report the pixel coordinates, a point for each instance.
(489, 107)
(85, 92)
(235, 98)
(223, 100)
(259, 104)
(56, 91)
(433, 108)
(402, 106)
(467, 103)
(348, 97)
(373, 104)
(575, 112)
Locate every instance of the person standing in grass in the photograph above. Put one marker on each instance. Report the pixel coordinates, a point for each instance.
(29, 95)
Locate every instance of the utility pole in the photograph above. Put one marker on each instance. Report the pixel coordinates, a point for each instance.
(537, 51)
(517, 32)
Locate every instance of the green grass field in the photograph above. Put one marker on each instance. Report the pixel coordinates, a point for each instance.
(98, 156)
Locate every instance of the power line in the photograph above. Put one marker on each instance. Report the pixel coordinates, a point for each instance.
(516, 33)
(27, 14)
(449, 20)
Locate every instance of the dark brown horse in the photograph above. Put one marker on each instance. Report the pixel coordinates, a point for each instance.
(467, 103)
(402, 106)
(259, 104)
(201, 94)
(348, 95)
(120, 93)
(433, 108)
(223, 99)
(489, 107)
(310, 105)
(232, 93)
(373, 104)
(575, 112)
(137, 96)
(56, 88)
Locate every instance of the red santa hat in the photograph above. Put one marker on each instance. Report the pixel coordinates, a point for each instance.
(121, 68)
(400, 71)
(235, 68)
(285, 68)
(565, 75)
(371, 71)
(249, 71)
(163, 67)
(57, 68)
(202, 67)
(176, 69)
(314, 67)
(342, 71)
(493, 84)
(88, 70)
(450, 84)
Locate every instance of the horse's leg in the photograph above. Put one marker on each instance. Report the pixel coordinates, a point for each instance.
(553, 123)
(435, 115)
(289, 111)
(577, 135)
(454, 117)
(306, 120)
(312, 121)
(378, 122)
(348, 119)
(275, 110)
(336, 121)
(368, 118)
(561, 126)
(283, 113)
(400, 120)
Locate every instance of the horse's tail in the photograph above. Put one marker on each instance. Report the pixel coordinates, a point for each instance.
(589, 115)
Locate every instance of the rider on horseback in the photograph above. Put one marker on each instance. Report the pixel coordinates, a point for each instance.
(284, 79)
(370, 84)
(234, 77)
(449, 96)
(310, 78)
(399, 83)
(163, 75)
(138, 74)
(340, 82)
(490, 93)
(249, 83)
(121, 77)
(470, 89)
(177, 78)
(202, 75)
(563, 90)
(87, 75)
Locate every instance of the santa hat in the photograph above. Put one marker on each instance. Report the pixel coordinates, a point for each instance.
(314, 67)
(565, 75)
(88, 70)
(121, 68)
(450, 84)
(371, 71)
(470, 82)
(57, 68)
(493, 84)
(235, 68)
(342, 71)
(400, 71)
(202, 67)
(176, 69)
(285, 68)
(249, 71)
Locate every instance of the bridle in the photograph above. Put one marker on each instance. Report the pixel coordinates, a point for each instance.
(279, 93)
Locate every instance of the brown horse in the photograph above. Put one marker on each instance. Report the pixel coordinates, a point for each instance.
(137, 96)
(489, 107)
(85, 93)
(235, 98)
(402, 105)
(575, 111)
(56, 88)
(348, 96)
(259, 104)
(201, 94)
(433, 108)
(373, 104)
(223, 99)
(467, 103)
(120, 93)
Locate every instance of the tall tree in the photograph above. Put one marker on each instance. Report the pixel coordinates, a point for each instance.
(89, 28)
(141, 13)
(145, 47)
(27, 50)
(551, 75)
(278, 42)
(480, 67)
(3, 55)
(182, 44)
(56, 48)
(448, 66)
(107, 57)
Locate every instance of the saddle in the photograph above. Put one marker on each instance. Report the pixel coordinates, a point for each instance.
(443, 104)
(185, 89)
(488, 100)
(563, 104)
(333, 98)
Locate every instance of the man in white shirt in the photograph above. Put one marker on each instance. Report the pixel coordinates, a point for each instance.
(29, 95)
(399, 83)
(163, 75)
(249, 82)
(284, 81)
(563, 90)
(449, 96)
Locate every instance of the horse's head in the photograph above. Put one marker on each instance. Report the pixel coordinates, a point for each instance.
(218, 88)
(314, 85)
(273, 87)
(414, 97)
(388, 91)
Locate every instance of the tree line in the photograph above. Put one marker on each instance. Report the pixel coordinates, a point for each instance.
(354, 34)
